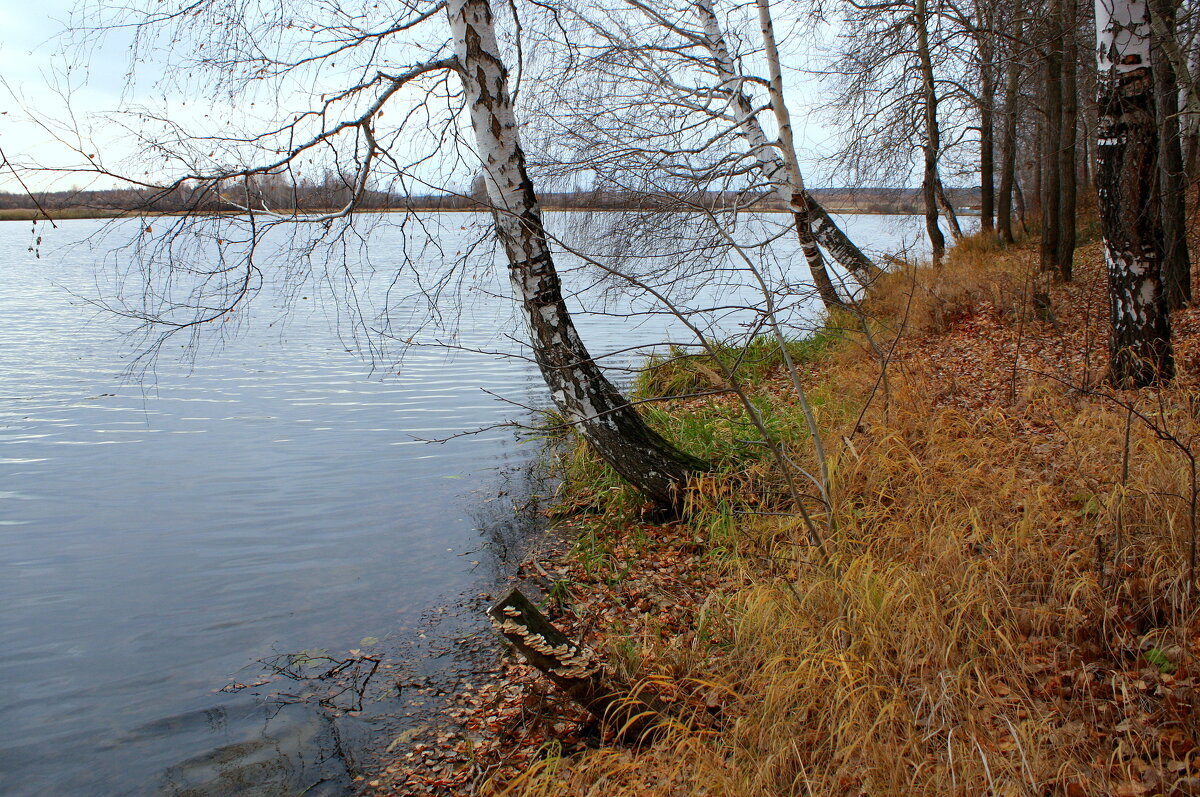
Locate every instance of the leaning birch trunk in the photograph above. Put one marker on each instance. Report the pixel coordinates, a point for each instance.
(929, 178)
(838, 244)
(943, 200)
(791, 164)
(585, 397)
(1126, 159)
(1019, 203)
(771, 164)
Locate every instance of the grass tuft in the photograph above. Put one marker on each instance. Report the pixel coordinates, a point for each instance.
(1005, 608)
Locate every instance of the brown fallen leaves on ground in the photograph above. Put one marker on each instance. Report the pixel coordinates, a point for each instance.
(510, 715)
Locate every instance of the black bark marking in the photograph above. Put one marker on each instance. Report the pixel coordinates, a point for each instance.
(1140, 352)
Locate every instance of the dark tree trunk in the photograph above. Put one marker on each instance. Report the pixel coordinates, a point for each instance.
(1176, 268)
(987, 125)
(1067, 174)
(1036, 176)
(1008, 144)
(1191, 157)
(1126, 156)
(987, 172)
(1052, 142)
(1019, 203)
(930, 180)
(582, 393)
(936, 239)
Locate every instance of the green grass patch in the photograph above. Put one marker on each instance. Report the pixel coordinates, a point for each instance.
(681, 372)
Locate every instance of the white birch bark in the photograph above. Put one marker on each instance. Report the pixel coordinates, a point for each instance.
(584, 396)
(1126, 161)
(948, 211)
(791, 165)
(770, 160)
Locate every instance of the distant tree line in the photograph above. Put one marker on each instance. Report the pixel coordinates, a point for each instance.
(313, 197)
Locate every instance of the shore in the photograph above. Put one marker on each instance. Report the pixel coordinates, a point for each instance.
(1005, 606)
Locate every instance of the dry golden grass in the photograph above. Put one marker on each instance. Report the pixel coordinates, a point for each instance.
(1006, 609)
(927, 301)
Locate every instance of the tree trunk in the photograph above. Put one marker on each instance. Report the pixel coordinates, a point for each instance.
(1067, 174)
(585, 397)
(1191, 157)
(1035, 172)
(1052, 142)
(802, 220)
(839, 245)
(930, 179)
(772, 164)
(1127, 155)
(1176, 268)
(574, 669)
(1191, 129)
(1087, 162)
(948, 212)
(1008, 144)
(936, 239)
(1019, 203)
(987, 126)
(796, 201)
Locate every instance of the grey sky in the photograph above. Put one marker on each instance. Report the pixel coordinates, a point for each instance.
(36, 83)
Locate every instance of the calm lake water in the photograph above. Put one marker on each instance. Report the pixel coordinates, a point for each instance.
(256, 493)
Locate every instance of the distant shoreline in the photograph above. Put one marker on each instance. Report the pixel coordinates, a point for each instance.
(70, 213)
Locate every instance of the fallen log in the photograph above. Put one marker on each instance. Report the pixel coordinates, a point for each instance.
(574, 669)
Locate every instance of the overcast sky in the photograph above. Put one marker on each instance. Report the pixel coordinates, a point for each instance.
(35, 83)
(28, 67)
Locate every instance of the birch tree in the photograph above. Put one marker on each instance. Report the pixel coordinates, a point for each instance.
(676, 67)
(780, 165)
(1140, 351)
(587, 399)
(251, 43)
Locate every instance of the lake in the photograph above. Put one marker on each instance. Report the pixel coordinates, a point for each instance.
(263, 490)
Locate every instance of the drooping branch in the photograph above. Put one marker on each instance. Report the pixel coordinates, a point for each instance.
(362, 123)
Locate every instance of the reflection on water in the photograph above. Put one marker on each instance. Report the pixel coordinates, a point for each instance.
(158, 538)
(293, 751)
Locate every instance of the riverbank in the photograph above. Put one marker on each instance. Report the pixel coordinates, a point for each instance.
(1004, 606)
